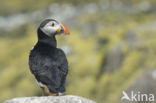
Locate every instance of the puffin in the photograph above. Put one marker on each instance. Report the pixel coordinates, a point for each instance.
(48, 63)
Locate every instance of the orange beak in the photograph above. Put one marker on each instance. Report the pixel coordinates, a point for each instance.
(66, 31)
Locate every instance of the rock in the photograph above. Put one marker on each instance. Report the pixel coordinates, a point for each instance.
(51, 99)
(114, 59)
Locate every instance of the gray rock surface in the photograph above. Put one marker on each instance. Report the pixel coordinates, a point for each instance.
(51, 99)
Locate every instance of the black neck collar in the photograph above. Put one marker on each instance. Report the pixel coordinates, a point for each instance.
(43, 38)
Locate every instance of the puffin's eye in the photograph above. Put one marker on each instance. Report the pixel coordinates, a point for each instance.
(52, 24)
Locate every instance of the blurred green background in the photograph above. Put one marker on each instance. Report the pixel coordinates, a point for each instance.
(112, 46)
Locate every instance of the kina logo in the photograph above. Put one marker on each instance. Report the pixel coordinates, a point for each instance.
(138, 96)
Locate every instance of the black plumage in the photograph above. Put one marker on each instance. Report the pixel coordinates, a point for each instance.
(47, 62)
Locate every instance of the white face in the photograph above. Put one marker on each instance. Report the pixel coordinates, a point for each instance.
(51, 28)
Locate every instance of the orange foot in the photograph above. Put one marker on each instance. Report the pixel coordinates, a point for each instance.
(54, 94)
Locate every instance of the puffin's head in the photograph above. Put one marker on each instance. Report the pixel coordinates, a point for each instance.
(51, 27)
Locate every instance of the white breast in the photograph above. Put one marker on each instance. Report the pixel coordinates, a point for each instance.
(41, 84)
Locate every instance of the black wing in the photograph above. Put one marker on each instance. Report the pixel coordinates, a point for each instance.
(50, 67)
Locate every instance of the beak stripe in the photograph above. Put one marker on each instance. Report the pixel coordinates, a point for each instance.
(66, 31)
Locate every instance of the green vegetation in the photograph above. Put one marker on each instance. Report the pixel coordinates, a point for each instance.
(91, 53)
